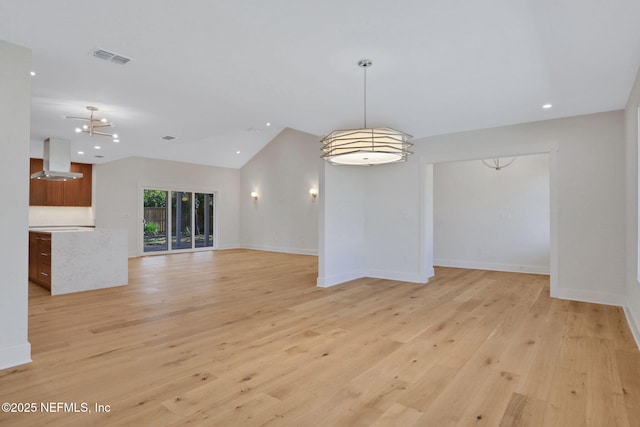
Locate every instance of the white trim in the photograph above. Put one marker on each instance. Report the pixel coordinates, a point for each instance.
(633, 325)
(337, 279)
(426, 220)
(225, 247)
(595, 297)
(554, 250)
(267, 248)
(396, 275)
(15, 355)
(494, 266)
(638, 193)
(430, 273)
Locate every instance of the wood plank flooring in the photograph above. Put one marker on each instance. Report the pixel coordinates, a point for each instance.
(244, 338)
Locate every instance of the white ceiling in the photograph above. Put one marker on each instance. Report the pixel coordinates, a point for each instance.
(213, 73)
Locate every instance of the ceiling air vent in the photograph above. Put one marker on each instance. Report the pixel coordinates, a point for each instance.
(121, 60)
(168, 138)
(110, 56)
(103, 54)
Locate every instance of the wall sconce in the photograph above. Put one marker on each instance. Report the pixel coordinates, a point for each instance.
(254, 196)
(314, 194)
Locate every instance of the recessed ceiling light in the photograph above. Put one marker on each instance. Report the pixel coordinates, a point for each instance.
(116, 140)
(80, 152)
(33, 73)
(78, 130)
(547, 106)
(268, 124)
(97, 147)
(85, 127)
(103, 120)
(115, 135)
(238, 152)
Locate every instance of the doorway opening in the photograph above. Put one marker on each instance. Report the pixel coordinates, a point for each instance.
(489, 217)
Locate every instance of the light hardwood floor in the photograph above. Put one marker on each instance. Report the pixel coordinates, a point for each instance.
(244, 338)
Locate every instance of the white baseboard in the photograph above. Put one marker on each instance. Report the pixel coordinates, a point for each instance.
(325, 282)
(224, 247)
(396, 275)
(595, 297)
(298, 251)
(430, 273)
(633, 325)
(15, 355)
(336, 279)
(493, 266)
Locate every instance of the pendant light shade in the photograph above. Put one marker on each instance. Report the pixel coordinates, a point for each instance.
(365, 146)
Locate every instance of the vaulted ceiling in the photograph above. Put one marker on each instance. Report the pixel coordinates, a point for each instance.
(214, 73)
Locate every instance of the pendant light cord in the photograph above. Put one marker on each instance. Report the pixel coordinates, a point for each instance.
(365, 97)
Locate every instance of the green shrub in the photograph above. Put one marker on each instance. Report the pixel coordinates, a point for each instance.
(150, 228)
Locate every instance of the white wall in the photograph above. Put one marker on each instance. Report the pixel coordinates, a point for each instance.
(15, 113)
(374, 223)
(632, 307)
(587, 193)
(285, 216)
(342, 225)
(118, 195)
(493, 220)
(394, 242)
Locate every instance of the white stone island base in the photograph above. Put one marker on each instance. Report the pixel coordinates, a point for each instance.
(86, 260)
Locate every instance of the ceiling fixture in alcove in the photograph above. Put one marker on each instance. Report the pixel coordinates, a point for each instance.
(498, 163)
(365, 146)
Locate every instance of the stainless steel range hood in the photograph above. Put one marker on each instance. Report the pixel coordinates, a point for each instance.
(56, 161)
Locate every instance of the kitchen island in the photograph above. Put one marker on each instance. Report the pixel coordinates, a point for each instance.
(75, 259)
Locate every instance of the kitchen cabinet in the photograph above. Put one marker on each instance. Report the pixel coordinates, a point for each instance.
(75, 259)
(75, 192)
(40, 259)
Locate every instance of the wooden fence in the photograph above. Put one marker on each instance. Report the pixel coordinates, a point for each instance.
(157, 215)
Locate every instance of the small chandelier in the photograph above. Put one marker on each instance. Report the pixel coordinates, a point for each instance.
(498, 163)
(93, 124)
(365, 146)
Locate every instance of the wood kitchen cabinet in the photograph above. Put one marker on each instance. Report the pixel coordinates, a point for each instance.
(40, 259)
(75, 192)
(33, 255)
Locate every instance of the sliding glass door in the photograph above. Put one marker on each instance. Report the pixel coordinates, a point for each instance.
(181, 236)
(178, 220)
(155, 234)
(203, 205)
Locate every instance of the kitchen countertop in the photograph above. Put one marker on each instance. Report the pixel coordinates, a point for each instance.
(86, 258)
